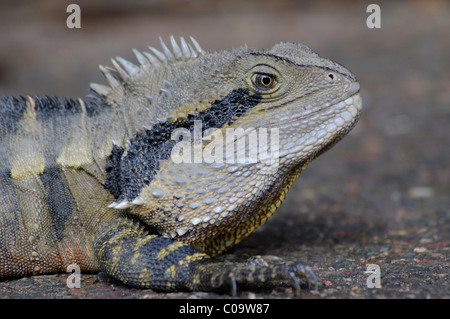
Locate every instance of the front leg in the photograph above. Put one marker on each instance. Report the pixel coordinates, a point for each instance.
(128, 253)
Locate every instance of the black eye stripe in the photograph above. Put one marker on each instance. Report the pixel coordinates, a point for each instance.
(135, 170)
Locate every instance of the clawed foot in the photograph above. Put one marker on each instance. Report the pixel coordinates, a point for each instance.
(216, 276)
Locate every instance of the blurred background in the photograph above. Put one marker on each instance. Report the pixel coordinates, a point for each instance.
(386, 185)
(40, 55)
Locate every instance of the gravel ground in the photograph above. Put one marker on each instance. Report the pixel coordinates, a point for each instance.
(381, 196)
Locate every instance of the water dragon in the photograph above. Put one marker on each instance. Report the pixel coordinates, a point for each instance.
(181, 156)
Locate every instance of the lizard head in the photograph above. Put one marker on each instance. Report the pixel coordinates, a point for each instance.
(302, 102)
(311, 100)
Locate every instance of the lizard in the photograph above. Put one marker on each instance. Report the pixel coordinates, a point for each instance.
(147, 179)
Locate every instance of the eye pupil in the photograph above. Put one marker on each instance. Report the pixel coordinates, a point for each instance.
(264, 81)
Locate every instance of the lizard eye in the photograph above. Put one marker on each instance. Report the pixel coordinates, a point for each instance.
(264, 82)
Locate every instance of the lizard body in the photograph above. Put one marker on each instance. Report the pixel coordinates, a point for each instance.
(148, 178)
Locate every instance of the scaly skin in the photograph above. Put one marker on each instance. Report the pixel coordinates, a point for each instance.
(145, 179)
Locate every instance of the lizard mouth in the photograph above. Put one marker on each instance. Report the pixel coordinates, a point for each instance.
(347, 110)
(353, 99)
(346, 119)
(352, 103)
(331, 123)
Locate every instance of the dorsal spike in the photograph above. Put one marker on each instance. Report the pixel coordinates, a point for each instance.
(147, 84)
(153, 60)
(184, 48)
(193, 52)
(123, 74)
(141, 58)
(129, 67)
(197, 46)
(166, 50)
(175, 48)
(113, 82)
(159, 54)
(111, 70)
(166, 93)
(100, 89)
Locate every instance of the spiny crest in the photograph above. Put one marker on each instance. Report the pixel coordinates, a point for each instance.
(123, 69)
(149, 82)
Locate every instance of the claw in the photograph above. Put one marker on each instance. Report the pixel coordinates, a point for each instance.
(296, 283)
(233, 287)
(307, 273)
(314, 279)
(215, 276)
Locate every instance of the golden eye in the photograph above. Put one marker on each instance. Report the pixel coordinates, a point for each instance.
(263, 81)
